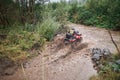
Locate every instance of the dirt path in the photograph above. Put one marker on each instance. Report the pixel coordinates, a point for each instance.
(60, 62)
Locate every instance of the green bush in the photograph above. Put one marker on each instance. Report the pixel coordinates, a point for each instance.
(17, 44)
(21, 39)
(60, 12)
(84, 15)
(48, 28)
(102, 13)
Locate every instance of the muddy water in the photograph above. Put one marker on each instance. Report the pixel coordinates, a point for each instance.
(76, 66)
(60, 62)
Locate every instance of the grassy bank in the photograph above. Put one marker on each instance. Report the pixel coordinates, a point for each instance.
(17, 42)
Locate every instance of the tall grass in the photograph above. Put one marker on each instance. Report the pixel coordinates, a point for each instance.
(21, 39)
(48, 28)
(108, 76)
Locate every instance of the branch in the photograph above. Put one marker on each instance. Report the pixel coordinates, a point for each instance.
(114, 42)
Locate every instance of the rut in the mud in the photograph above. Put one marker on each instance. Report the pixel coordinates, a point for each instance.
(73, 48)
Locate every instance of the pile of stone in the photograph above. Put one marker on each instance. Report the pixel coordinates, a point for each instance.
(97, 54)
(100, 56)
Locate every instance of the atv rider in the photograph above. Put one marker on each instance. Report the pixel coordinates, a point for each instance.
(70, 33)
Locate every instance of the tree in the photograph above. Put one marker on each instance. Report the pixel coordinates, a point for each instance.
(4, 11)
(19, 10)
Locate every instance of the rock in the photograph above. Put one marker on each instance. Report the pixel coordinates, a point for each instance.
(97, 51)
(96, 57)
(106, 52)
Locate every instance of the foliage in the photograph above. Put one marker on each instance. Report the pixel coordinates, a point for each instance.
(22, 39)
(18, 39)
(60, 11)
(22, 11)
(109, 76)
(18, 43)
(48, 28)
(101, 13)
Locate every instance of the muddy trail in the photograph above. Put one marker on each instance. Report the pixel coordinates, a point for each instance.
(65, 62)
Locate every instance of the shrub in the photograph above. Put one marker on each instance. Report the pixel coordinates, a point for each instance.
(21, 39)
(98, 13)
(48, 28)
(60, 13)
(17, 44)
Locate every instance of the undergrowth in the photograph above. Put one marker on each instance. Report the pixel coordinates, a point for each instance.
(102, 13)
(20, 40)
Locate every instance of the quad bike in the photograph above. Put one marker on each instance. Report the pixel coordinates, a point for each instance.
(73, 38)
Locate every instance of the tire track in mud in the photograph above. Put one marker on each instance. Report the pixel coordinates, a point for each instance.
(72, 50)
(58, 44)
